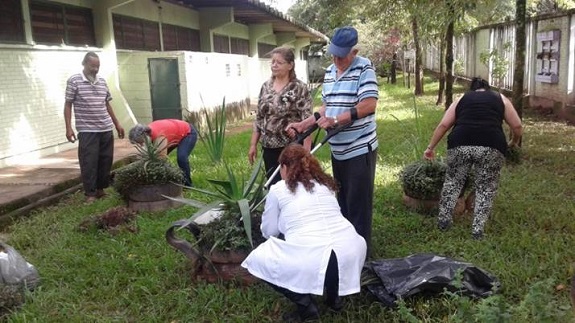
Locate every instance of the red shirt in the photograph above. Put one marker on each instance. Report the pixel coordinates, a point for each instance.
(172, 129)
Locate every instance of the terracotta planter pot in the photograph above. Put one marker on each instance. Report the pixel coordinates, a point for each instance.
(430, 207)
(225, 266)
(149, 197)
(212, 267)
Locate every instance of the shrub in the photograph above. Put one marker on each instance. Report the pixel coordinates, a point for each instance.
(423, 179)
(143, 172)
(151, 167)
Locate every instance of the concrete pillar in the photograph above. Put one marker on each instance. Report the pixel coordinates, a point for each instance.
(27, 23)
(285, 39)
(258, 32)
(109, 62)
(299, 45)
(211, 18)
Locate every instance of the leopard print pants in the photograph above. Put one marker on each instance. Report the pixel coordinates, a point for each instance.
(486, 162)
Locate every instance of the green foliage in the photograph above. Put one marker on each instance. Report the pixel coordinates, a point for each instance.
(96, 277)
(151, 150)
(423, 179)
(513, 155)
(242, 199)
(416, 139)
(214, 137)
(540, 7)
(11, 297)
(228, 233)
(494, 308)
(149, 168)
(458, 67)
(497, 62)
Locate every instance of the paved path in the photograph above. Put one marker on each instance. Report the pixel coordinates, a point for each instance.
(38, 182)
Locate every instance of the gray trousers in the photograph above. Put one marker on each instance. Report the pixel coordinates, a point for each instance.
(487, 163)
(95, 154)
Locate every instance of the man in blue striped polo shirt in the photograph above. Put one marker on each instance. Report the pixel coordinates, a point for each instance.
(349, 95)
(95, 120)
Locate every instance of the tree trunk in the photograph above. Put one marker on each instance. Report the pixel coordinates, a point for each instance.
(519, 68)
(418, 69)
(441, 72)
(449, 64)
(394, 69)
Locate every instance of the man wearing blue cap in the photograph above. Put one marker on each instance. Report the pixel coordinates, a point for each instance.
(349, 96)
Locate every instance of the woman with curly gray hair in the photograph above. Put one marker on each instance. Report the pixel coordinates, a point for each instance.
(177, 133)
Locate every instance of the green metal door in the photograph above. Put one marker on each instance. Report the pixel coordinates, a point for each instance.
(165, 88)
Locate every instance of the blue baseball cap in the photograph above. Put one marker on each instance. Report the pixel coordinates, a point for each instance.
(342, 41)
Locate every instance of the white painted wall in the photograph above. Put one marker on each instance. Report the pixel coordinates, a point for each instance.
(33, 83)
(33, 80)
(205, 78)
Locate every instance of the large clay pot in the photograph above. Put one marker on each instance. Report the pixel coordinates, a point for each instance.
(210, 266)
(431, 206)
(149, 197)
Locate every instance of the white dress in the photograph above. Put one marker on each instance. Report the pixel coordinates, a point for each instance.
(313, 226)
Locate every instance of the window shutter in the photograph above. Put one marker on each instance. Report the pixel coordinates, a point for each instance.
(11, 21)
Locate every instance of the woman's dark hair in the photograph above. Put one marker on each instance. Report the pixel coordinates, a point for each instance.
(479, 83)
(303, 168)
(289, 56)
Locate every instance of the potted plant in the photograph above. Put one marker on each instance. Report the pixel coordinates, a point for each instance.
(143, 182)
(422, 182)
(224, 230)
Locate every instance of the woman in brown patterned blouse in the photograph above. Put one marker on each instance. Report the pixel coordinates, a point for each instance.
(283, 99)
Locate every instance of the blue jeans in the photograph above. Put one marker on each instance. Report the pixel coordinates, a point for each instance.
(185, 148)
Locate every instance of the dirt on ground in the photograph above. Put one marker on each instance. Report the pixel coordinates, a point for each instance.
(240, 126)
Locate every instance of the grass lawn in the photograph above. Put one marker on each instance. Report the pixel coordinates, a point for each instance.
(529, 245)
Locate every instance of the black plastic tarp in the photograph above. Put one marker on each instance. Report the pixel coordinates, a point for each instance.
(392, 279)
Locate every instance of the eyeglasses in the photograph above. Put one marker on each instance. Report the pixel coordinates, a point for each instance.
(277, 63)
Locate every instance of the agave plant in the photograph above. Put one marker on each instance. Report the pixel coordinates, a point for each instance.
(239, 198)
(215, 134)
(152, 150)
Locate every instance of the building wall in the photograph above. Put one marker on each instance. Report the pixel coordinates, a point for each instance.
(557, 91)
(206, 79)
(165, 13)
(557, 98)
(33, 77)
(33, 84)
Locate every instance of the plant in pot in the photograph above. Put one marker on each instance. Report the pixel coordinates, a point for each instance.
(143, 182)
(422, 182)
(224, 230)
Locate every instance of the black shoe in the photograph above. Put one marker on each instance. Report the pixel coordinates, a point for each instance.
(309, 313)
(337, 305)
(477, 235)
(443, 225)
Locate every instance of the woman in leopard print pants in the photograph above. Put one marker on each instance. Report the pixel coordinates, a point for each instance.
(477, 142)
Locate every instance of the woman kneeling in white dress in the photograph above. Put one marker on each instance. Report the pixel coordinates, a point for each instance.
(321, 248)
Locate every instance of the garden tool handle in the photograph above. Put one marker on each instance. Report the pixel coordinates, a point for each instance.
(299, 139)
(301, 136)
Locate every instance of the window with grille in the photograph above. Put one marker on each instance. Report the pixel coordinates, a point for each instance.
(11, 21)
(221, 44)
(180, 38)
(61, 24)
(264, 49)
(231, 45)
(134, 33)
(239, 46)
